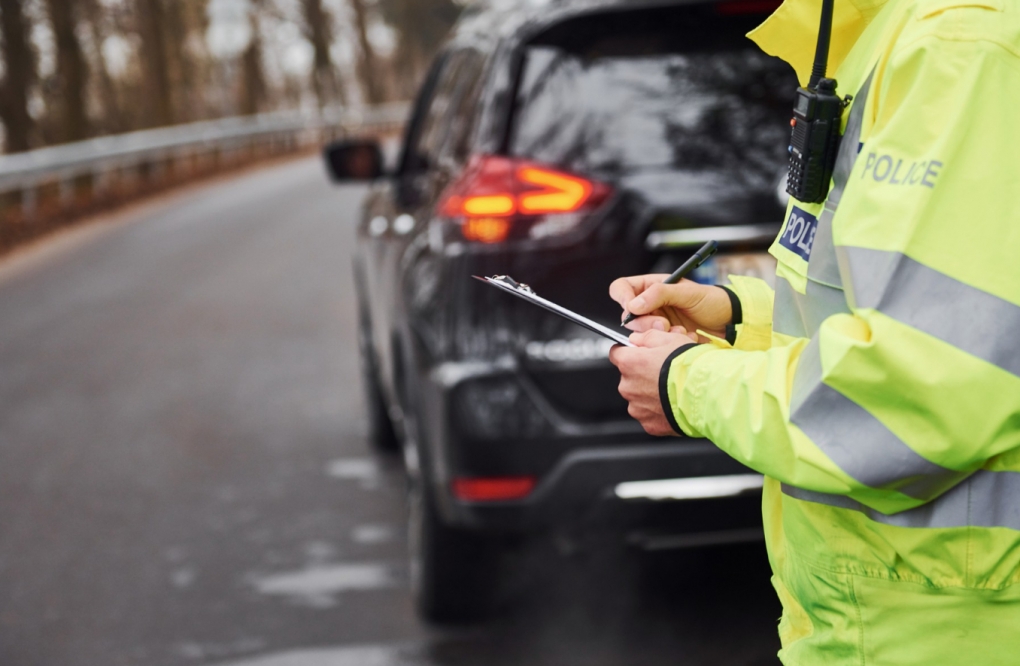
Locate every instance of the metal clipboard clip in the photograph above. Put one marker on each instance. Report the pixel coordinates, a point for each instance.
(523, 291)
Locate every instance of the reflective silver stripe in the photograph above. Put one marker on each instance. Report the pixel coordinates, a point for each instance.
(921, 297)
(822, 302)
(994, 499)
(786, 311)
(857, 442)
(807, 377)
(824, 267)
(801, 315)
(985, 499)
(850, 147)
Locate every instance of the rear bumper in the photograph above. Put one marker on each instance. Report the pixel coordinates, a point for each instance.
(578, 464)
(581, 492)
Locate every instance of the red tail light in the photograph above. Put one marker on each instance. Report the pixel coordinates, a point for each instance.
(495, 194)
(494, 489)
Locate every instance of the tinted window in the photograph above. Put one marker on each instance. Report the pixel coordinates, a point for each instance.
(674, 89)
(463, 115)
(436, 122)
(411, 160)
(446, 129)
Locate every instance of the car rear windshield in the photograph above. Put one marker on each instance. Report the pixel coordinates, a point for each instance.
(676, 88)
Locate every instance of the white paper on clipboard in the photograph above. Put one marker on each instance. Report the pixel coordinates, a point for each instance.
(509, 285)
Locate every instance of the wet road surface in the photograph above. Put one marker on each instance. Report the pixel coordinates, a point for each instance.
(185, 479)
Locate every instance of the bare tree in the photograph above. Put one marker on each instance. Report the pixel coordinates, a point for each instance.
(318, 31)
(421, 27)
(185, 67)
(156, 93)
(19, 75)
(368, 70)
(253, 80)
(122, 65)
(71, 74)
(111, 118)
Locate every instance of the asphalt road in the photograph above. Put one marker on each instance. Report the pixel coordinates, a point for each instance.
(184, 476)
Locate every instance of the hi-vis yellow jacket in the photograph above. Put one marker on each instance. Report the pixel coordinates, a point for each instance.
(878, 387)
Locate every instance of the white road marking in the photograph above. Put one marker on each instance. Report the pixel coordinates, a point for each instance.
(372, 534)
(361, 469)
(317, 585)
(358, 655)
(319, 551)
(196, 651)
(184, 577)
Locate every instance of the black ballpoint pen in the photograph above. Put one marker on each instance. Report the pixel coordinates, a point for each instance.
(688, 267)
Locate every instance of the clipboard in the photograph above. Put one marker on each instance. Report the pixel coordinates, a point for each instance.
(523, 291)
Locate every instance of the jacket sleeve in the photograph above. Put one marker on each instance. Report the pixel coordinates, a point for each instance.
(919, 386)
(754, 330)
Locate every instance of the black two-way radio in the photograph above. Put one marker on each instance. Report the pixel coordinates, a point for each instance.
(817, 115)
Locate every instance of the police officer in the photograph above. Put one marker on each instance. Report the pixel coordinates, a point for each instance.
(878, 386)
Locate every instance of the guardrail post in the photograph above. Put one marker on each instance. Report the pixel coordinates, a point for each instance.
(29, 202)
(100, 183)
(155, 173)
(65, 190)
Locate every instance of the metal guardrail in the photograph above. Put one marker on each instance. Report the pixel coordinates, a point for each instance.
(96, 159)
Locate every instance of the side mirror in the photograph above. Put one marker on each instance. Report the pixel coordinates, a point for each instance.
(354, 160)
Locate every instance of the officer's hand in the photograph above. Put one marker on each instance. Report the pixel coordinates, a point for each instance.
(663, 306)
(639, 375)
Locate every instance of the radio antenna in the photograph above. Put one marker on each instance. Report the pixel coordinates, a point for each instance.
(822, 50)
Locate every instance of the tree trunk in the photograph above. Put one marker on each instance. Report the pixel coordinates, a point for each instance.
(421, 27)
(318, 31)
(19, 63)
(178, 24)
(157, 100)
(253, 80)
(73, 122)
(367, 69)
(112, 120)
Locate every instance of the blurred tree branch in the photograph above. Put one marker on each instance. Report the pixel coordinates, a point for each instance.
(368, 70)
(71, 74)
(112, 119)
(318, 30)
(157, 101)
(422, 26)
(253, 80)
(72, 69)
(19, 76)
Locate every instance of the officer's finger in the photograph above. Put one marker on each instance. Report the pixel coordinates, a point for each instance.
(650, 339)
(684, 295)
(650, 323)
(625, 289)
(621, 290)
(616, 354)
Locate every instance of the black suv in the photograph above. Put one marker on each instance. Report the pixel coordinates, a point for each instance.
(564, 143)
